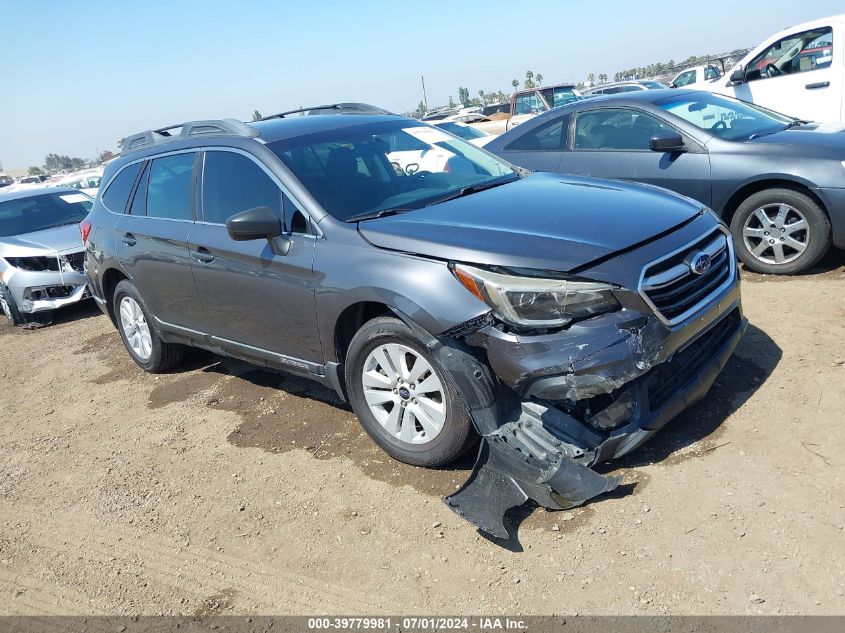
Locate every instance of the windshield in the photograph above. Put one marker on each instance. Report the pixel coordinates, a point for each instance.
(36, 213)
(727, 118)
(466, 132)
(388, 165)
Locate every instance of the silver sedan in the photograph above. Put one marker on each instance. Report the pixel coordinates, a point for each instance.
(41, 252)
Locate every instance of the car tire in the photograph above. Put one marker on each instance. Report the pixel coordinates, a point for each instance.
(146, 348)
(10, 307)
(772, 220)
(434, 426)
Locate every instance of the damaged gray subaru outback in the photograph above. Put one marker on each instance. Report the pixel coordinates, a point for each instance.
(445, 294)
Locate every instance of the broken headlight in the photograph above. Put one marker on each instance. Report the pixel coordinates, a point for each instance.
(527, 301)
(34, 264)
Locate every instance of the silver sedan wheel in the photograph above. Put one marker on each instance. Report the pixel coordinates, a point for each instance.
(136, 328)
(776, 233)
(5, 307)
(404, 393)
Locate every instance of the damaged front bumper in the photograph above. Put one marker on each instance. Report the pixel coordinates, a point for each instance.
(41, 291)
(565, 401)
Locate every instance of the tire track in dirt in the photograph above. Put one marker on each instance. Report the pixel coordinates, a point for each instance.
(160, 559)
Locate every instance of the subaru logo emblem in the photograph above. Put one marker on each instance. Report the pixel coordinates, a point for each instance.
(700, 263)
(404, 393)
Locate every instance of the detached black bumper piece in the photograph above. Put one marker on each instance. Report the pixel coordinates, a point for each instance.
(544, 454)
(522, 460)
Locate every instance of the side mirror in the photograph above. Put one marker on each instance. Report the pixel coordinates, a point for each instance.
(673, 85)
(737, 76)
(254, 224)
(666, 142)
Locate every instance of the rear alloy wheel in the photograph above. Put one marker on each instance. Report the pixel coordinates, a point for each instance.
(780, 231)
(402, 396)
(137, 329)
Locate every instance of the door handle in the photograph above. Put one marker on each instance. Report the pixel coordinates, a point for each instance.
(202, 255)
(817, 85)
(129, 239)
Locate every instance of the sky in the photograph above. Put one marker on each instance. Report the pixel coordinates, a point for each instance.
(78, 76)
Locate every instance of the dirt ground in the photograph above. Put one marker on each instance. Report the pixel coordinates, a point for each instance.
(223, 489)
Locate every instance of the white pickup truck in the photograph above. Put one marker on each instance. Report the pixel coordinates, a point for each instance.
(799, 72)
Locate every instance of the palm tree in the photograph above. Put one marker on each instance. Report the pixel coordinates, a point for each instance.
(602, 78)
(591, 78)
(539, 79)
(515, 84)
(529, 79)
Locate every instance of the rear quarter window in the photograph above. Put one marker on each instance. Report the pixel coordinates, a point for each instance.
(116, 195)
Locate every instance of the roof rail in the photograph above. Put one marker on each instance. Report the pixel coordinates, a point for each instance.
(332, 108)
(189, 129)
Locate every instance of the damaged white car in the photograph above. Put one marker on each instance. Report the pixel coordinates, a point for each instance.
(41, 253)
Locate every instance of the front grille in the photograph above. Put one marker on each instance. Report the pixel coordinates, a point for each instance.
(75, 260)
(666, 379)
(674, 291)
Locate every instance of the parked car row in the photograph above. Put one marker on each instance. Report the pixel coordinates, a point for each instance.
(86, 181)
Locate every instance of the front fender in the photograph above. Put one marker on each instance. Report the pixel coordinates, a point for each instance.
(422, 289)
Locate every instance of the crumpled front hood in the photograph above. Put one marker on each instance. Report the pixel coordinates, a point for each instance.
(544, 221)
(47, 242)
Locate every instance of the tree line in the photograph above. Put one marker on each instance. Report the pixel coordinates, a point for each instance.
(660, 69)
(60, 163)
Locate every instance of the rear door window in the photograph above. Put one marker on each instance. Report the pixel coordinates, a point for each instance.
(170, 187)
(117, 195)
(139, 201)
(233, 183)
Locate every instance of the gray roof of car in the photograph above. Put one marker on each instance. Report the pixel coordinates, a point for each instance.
(35, 191)
(641, 95)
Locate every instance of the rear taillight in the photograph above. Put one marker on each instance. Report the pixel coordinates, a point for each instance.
(85, 229)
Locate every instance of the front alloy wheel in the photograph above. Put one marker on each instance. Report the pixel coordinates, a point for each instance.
(404, 393)
(404, 399)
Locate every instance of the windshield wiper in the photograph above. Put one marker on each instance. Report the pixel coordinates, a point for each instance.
(796, 123)
(788, 126)
(470, 189)
(372, 215)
